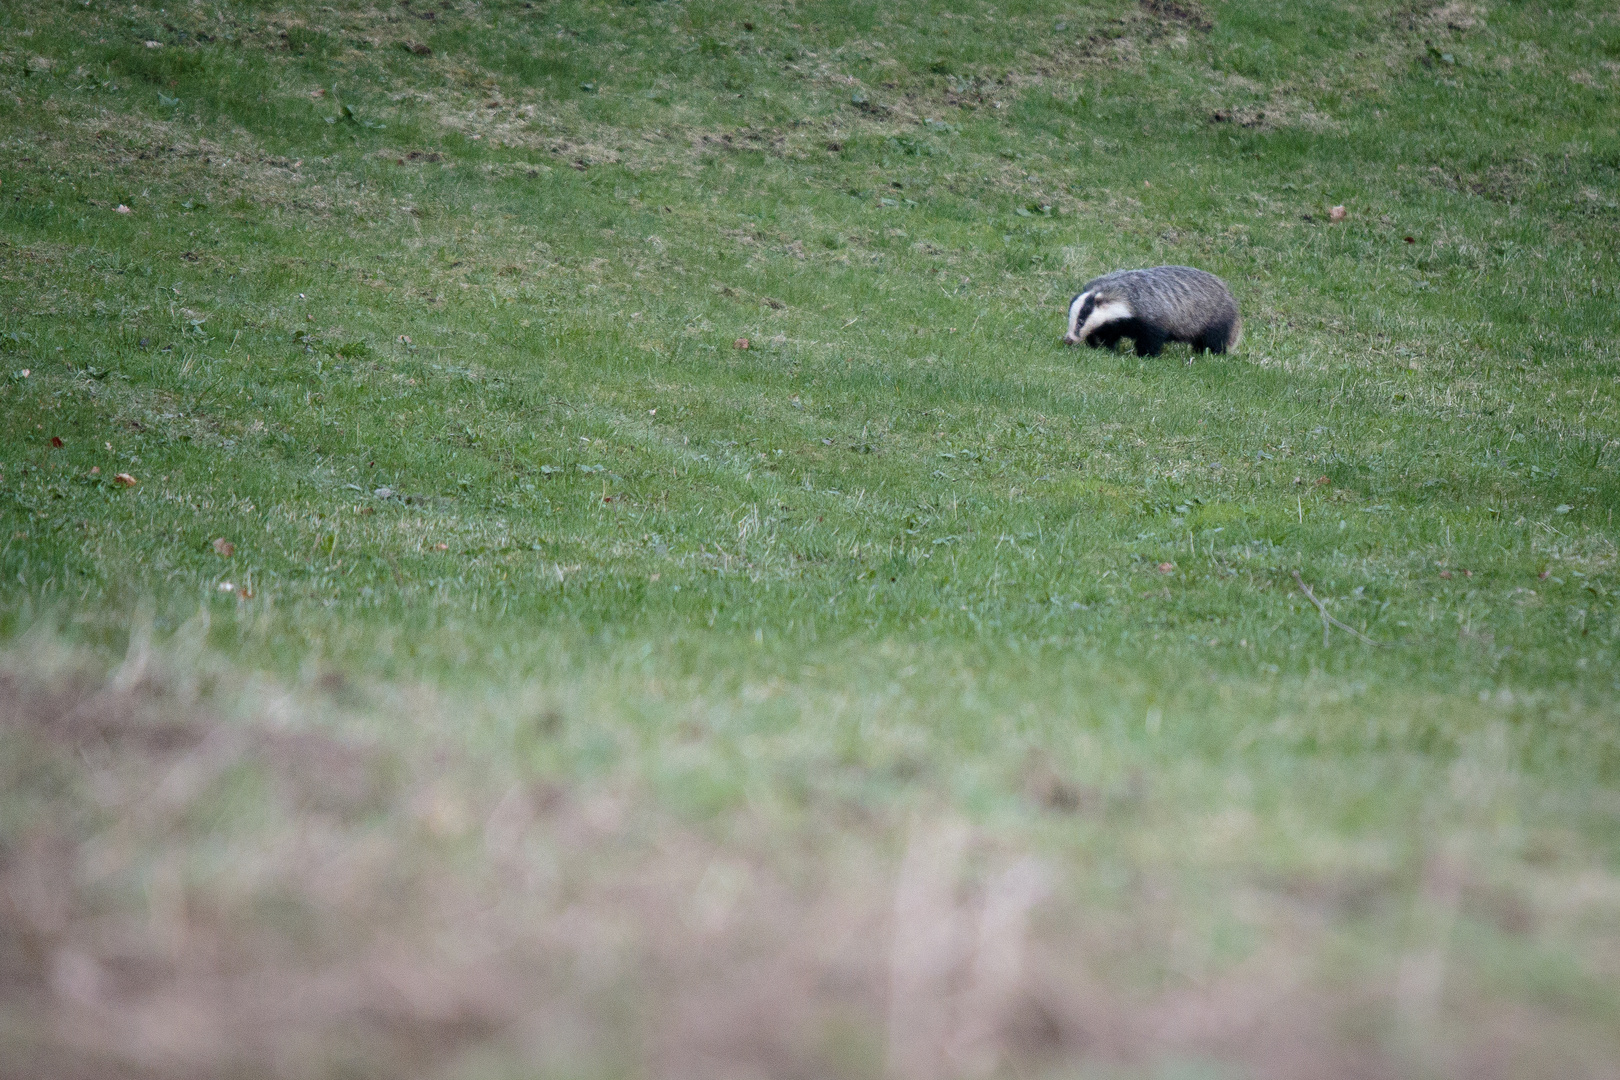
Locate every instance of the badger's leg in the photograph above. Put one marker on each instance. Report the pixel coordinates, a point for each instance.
(1214, 339)
(1106, 337)
(1149, 342)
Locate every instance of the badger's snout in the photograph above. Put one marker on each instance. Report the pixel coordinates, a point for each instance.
(1079, 308)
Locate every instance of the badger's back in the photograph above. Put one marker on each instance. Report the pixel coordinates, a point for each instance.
(1183, 302)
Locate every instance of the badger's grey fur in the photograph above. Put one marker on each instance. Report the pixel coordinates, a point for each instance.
(1151, 307)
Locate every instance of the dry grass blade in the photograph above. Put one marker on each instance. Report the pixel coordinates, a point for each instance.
(1328, 620)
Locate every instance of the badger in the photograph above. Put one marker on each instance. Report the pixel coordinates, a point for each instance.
(1151, 307)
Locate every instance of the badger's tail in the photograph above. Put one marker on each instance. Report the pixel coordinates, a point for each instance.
(1235, 333)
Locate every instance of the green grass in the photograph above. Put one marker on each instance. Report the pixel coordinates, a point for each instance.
(433, 321)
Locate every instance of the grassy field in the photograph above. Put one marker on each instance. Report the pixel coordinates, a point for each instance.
(558, 539)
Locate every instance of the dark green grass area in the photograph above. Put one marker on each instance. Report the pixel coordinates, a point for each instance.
(695, 367)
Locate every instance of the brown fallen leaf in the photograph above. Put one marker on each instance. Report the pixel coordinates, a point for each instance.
(56, 442)
(95, 470)
(441, 547)
(740, 343)
(126, 479)
(223, 547)
(1321, 481)
(1338, 213)
(1167, 567)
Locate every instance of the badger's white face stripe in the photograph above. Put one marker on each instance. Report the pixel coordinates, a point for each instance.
(1101, 315)
(1074, 314)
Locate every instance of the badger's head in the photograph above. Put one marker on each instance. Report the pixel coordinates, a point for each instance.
(1089, 311)
(1080, 309)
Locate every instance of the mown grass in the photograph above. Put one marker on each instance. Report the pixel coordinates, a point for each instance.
(432, 324)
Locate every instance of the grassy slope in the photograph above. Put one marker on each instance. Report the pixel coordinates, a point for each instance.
(903, 550)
